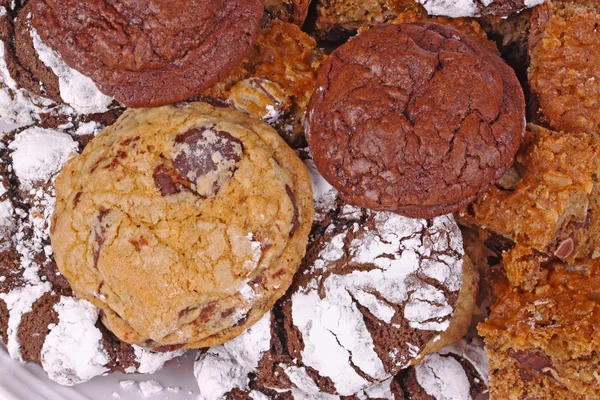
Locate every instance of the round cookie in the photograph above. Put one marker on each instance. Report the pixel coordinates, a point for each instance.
(376, 291)
(40, 319)
(423, 117)
(150, 53)
(36, 86)
(184, 223)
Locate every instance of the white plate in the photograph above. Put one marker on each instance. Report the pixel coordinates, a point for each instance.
(30, 382)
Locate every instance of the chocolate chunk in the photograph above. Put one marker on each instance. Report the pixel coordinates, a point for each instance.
(163, 181)
(533, 360)
(100, 233)
(207, 158)
(423, 119)
(295, 219)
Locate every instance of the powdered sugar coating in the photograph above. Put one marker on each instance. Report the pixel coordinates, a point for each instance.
(226, 367)
(73, 352)
(150, 362)
(471, 8)
(76, 89)
(443, 378)
(39, 154)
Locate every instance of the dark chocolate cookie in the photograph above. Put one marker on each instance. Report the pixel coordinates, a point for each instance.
(150, 53)
(418, 119)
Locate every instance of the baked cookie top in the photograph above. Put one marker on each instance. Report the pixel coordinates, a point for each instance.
(184, 223)
(423, 117)
(373, 290)
(150, 53)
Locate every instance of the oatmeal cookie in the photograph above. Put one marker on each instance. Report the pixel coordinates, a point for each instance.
(547, 201)
(147, 53)
(424, 119)
(184, 224)
(40, 319)
(564, 47)
(543, 343)
(376, 292)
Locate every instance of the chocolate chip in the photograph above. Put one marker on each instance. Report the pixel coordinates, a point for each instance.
(100, 235)
(227, 313)
(138, 244)
(565, 249)
(152, 345)
(76, 199)
(207, 153)
(295, 220)
(509, 180)
(186, 311)
(166, 182)
(207, 312)
(532, 360)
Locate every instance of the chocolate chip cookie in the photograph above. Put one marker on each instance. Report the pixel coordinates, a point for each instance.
(184, 224)
(417, 119)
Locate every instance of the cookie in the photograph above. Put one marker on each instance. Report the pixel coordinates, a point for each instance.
(150, 53)
(184, 224)
(292, 11)
(40, 319)
(424, 119)
(376, 291)
(565, 56)
(275, 81)
(36, 86)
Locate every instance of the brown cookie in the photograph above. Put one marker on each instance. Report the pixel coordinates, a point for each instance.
(418, 119)
(149, 53)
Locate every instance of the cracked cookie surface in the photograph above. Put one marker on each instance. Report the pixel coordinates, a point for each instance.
(184, 224)
(424, 119)
(150, 53)
(374, 293)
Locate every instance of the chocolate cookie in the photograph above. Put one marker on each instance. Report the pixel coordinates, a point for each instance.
(36, 86)
(418, 119)
(149, 53)
(40, 319)
(375, 292)
(183, 223)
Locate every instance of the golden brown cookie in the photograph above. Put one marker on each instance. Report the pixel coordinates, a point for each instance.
(184, 224)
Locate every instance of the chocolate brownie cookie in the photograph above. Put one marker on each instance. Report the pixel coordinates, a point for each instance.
(547, 201)
(150, 53)
(564, 47)
(184, 223)
(424, 119)
(338, 19)
(543, 342)
(36, 86)
(275, 81)
(40, 319)
(375, 292)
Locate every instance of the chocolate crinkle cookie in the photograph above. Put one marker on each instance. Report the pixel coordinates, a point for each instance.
(150, 53)
(424, 118)
(375, 292)
(40, 318)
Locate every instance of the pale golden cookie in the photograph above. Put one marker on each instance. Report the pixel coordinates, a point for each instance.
(184, 224)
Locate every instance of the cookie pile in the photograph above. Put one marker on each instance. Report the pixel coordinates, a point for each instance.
(329, 199)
